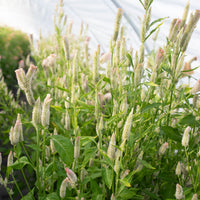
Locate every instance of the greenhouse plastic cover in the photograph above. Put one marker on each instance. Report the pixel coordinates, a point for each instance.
(32, 15)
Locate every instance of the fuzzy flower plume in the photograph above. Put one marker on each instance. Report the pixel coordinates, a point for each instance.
(196, 87)
(25, 80)
(163, 148)
(105, 57)
(195, 197)
(16, 133)
(127, 126)
(36, 114)
(159, 57)
(65, 183)
(179, 192)
(46, 111)
(10, 159)
(111, 147)
(77, 147)
(71, 175)
(117, 23)
(186, 136)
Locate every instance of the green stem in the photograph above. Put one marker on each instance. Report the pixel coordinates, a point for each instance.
(37, 160)
(197, 176)
(17, 185)
(170, 104)
(43, 158)
(22, 144)
(23, 174)
(190, 175)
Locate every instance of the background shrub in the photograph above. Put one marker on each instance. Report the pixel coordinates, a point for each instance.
(14, 46)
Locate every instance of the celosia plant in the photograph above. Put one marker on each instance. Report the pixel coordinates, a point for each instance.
(125, 131)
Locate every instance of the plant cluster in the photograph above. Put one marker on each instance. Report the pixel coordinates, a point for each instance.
(108, 125)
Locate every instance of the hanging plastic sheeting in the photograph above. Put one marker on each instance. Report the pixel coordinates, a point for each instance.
(32, 15)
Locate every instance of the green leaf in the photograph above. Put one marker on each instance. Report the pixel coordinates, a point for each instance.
(58, 108)
(108, 177)
(53, 196)
(150, 106)
(188, 120)
(96, 190)
(49, 169)
(88, 154)
(129, 58)
(152, 31)
(85, 105)
(128, 193)
(167, 69)
(170, 133)
(64, 148)
(34, 147)
(63, 89)
(87, 139)
(151, 84)
(142, 3)
(29, 196)
(158, 20)
(150, 194)
(146, 164)
(19, 164)
(107, 80)
(125, 182)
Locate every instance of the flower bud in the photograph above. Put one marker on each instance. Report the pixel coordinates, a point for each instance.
(185, 14)
(52, 147)
(112, 197)
(143, 30)
(159, 57)
(72, 176)
(10, 159)
(67, 120)
(178, 169)
(117, 23)
(11, 135)
(65, 183)
(18, 131)
(196, 87)
(95, 67)
(111, 147)
(127, 126)
(163, 148)
(175, 30)
(77, 147)
(30, 73)
(195, 197)
(46, 111)
(117, 163)
(186, 136)
(21, 78)
(179, 65)
(36, 114)
(179, 192)
(66, 48)
(105, 57)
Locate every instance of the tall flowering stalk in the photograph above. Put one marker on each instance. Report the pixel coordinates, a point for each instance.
(46, 111)
(117, 23)
(127, 126)
(25, 82)
(16, 133)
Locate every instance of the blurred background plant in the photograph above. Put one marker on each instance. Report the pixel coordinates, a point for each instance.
(14, 47)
